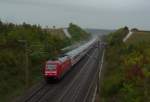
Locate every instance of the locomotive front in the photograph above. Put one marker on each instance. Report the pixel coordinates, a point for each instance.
(51, 70)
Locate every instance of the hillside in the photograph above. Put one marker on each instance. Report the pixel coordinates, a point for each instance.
(139, 36)
(126, 76)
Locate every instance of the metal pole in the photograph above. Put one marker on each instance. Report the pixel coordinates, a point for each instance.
(98, 83)
(26, 62)
(26, 65)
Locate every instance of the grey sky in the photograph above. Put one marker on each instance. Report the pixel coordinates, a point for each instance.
(109, 14)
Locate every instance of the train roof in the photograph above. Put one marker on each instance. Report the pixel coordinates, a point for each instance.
(81, 48)
(73, 53)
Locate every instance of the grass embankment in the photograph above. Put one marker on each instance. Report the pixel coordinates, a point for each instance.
(42, 44)
(127, 68)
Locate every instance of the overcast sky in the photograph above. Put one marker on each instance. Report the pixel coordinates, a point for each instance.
(106, 14)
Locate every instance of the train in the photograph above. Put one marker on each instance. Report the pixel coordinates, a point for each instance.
(56, 69)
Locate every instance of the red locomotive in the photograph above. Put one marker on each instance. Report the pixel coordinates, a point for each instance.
(55, 69)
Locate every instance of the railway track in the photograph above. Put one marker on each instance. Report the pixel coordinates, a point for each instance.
(72, 91)
(74, 86)
(35, 93)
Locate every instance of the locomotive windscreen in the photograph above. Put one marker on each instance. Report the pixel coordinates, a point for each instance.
(51, 67)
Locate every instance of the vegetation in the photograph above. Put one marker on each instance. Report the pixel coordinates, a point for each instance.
(77, 33)
(127, 68)
(25, 43)
(139, 36)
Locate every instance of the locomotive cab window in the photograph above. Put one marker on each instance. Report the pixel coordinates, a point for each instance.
(51, 67)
